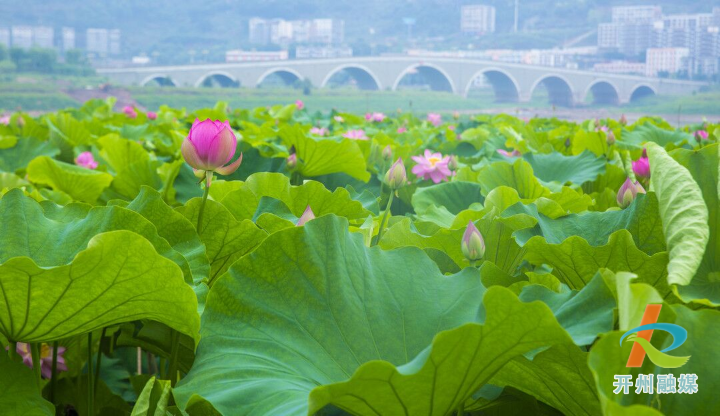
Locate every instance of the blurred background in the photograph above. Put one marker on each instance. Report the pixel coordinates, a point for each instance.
(573, 59)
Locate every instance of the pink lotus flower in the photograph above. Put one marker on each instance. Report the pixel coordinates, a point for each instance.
(210, 146)
(86, 160)
(320, 131)
(432, 166)
(339, 119)
(641, 167)
(375, 117)
(151, 115)
(701, 135)
(401, 130)
(129, 111)
(299, 104)
(451, 127)
(46, 354)
(514, 153)
(473, 244)
(627, 193)
(306, 216)
(435, 119)
(5, 120)
(355, 135)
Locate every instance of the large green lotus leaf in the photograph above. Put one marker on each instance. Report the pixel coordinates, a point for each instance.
(608, 358)
(556, 167)
(51, 235)
(20, 393)
(703, 166)
(243, 203)
(65, 127)
(454, 196)
(584, 313)
(226, 239)
(80, 183)
(683, 213)
(118, 278)
(575, 261)
(322, 156)
(613, 178)
(25, 150)
(640, 218)
(131, 164)
(501, 247)
(177, 230)
(311, 305)
(649, 132)
(558, 376)
(459, 361)
(593, 141)
(518, 175)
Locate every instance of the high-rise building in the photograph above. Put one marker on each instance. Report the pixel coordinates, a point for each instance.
(43, 37)
(667, 60)
(259, 31)
(67, 41)
(329, 31)
(636, 14)
(96, 41)
(22, 36)
(284, 32)
(477, 19)
(114, 42)
(5, 36)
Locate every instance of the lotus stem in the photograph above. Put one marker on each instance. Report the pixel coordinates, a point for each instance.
(35, 352)
(53, 372)
(91, 391)
(99, 358)
(175, 348)
(384, 218)
(139, 360)
(208, 179)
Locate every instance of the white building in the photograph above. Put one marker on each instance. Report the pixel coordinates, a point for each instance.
(620, 67)
(477, 19)
(328, 31)
(5, 36)
(67, 40)
(102, 42)
(239, 55)
(43, 37)
(322, 52)
(114, 41)
(258, 31)
(284, 32)
(670, 60)
(636, 14)
(22, 36)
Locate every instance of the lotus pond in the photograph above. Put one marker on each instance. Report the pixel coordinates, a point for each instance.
(355, 264)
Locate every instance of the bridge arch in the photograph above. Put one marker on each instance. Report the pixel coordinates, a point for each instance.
(163, 80)
(437, 78)
(604, 92)
(504, 85)
(288, 75)
(560, 90)
(363, 76)
(641, 91)
(224, 79)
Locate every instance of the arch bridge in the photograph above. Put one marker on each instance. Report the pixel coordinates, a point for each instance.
(509, 82)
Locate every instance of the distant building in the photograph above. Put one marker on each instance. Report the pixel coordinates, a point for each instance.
(67, 40)
(255, 56)
(5, 36)
(328, 31)
(668, 60)
(43, 37)
(284, 32)
(322, 52)
(140, 60)
(102, 42)
(620, 67)
(22, 36)
(636, 14)
(477, 19)
(259, 31)
(114, 42)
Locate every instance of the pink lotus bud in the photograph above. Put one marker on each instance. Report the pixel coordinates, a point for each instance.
(210, 146)
(435, 119)
(456, 115)
(320, 131)
(701, 135)
(339, 119)
(151, 115)
(610, 138)
(627, 193)
(396, 176)
(514, 153)
(473, 244)
(641, 167)
(86, 160)
(401, 130)
(623, 120)
(291, 162)
(306, 216)
(387, 153)
(368, 116)
(129, 111)
(453, 163)
(299, 104)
